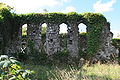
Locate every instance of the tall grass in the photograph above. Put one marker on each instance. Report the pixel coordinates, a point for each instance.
(67, 72)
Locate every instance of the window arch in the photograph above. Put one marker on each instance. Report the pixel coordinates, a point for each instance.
(82, 39)
(43, 32)
(24, 30)
(63, 35)
(82, 28)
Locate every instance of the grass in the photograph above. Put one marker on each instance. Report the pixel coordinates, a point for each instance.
(67, 72)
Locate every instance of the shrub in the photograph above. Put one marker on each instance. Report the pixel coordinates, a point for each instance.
(10, 69)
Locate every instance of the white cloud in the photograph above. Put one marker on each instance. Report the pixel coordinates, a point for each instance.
(115, 33)
(69, 9)
(26, 6)
(103, 7)
(65, 0)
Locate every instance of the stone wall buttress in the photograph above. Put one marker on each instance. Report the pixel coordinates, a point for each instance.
(33, 34)
(15, 45)
(52, 41)
(73, 40)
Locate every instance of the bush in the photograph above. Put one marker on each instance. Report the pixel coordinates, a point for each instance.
(116, 43)
(10, 69)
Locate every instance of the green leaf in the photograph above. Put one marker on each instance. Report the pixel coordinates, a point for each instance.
(12, 58)
(13, 78)
(1, 78)
(24, 75)
(15, 61)
(6, 64)
(20, 70)
(2, 63)
(3, 57)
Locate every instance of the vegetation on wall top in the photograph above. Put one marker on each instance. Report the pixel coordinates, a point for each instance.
(58, 18)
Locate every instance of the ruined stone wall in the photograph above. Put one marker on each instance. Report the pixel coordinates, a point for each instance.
(1, 39)
(107, 50)
(74, 41)
(53, 42)
(33, 34)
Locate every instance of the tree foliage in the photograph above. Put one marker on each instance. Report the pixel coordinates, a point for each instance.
(10, 69)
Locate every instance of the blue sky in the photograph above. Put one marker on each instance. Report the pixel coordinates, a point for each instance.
(109, 8)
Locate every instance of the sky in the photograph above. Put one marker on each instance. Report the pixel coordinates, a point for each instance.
(109, 8)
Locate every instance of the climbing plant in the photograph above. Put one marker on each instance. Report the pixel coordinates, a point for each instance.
(95, 23)
(116, 43)
(6, 25)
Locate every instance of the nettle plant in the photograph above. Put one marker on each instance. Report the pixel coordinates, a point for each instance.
(10, 69)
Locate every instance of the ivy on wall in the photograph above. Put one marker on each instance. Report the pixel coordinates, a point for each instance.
(116, 43)
(95, 22)
(11, 23)
(6, 26)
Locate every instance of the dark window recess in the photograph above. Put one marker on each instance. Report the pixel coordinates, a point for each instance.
(70, 31)
(31, 39)
(51, 40)
(34, 31)
(70, 41)
(54, 30)
(98, 54)
(40, 32)
(51, 49)
(107, 56)
(68, 36)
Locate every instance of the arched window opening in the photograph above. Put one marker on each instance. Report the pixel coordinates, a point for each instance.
(82, 28)
(44, 28)
(24, 38)
(63, 36)
(63, 28)
(24, 30)
(82, 39)
(43, 32)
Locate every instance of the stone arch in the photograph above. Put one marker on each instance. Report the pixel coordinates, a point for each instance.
(82, 39)
(24, 38)
(82, 28)
(63, 28)
(63, 35)
(43, 30)
(24, 29)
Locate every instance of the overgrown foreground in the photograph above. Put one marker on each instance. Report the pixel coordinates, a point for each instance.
(67, 72)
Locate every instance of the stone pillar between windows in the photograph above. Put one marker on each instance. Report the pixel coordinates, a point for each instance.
(72, 42)
(34, 35)
(52, 39)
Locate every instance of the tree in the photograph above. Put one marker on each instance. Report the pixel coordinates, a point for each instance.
(45, 10)
(3, 5)
(118, 35)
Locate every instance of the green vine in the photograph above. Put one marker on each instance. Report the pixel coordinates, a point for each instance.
(95, 22)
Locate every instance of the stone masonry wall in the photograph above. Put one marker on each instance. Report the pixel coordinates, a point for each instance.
(52, 43)
(107, 50)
